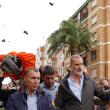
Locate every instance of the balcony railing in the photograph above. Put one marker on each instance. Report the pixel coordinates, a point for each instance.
(84, 17)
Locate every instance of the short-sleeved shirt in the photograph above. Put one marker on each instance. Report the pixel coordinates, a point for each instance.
(51, 91)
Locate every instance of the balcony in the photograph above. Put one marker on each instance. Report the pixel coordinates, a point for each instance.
(84, 17)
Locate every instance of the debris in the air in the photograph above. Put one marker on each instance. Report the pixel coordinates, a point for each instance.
(4, 25)
(0, 6)
(8, 41)
(3, 40)
(43, 37)
(51, 4)
(26, 32)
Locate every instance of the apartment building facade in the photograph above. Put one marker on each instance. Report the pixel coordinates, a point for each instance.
(40, 57)
(95, 16)
(57, 61)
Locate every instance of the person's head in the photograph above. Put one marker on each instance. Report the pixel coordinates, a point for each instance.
(56, 79)
(48, 74)
(76, 64)
(100, 82)
(32, 79)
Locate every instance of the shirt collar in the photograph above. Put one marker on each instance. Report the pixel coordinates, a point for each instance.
(82, 77)
(29, 94)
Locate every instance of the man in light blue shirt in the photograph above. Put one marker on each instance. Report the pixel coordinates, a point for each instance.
(51, 91)
(48, 84)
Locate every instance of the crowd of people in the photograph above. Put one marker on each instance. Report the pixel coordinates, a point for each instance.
(47, 89)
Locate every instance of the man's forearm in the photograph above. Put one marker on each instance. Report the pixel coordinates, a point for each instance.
(98, 101)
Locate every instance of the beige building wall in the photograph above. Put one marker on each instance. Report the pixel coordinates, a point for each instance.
(102, 30)
(66, 61)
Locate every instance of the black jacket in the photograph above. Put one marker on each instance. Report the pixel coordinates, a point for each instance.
(4, 94)
(66, 100)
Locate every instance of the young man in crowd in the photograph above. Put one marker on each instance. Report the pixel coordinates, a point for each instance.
(77, 89)
(32, 96)
(48, 84)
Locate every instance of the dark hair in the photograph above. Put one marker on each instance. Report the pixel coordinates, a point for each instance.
(34, 69)
(40, 70)
(48, 70)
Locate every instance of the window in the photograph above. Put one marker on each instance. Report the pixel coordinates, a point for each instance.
(68, 54)
(94, 73)
(46, 47)
(38, 64)
(55, 63)
(41, 54)
(93, 55)
(95, 38)
(94, 19)
(84, 61)
(52, 64)
(94, 3)
(67, 67)
(53, 55)
(61, 58)
(61, 70)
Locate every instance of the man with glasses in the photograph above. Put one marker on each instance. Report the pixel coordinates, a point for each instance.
(77, 89)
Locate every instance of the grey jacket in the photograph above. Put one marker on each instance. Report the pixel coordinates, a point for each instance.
(66, 100)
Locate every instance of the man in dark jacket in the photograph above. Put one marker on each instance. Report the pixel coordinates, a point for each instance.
(77, 89)
(32, 96)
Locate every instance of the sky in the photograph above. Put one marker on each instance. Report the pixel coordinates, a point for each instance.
(37, 17)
